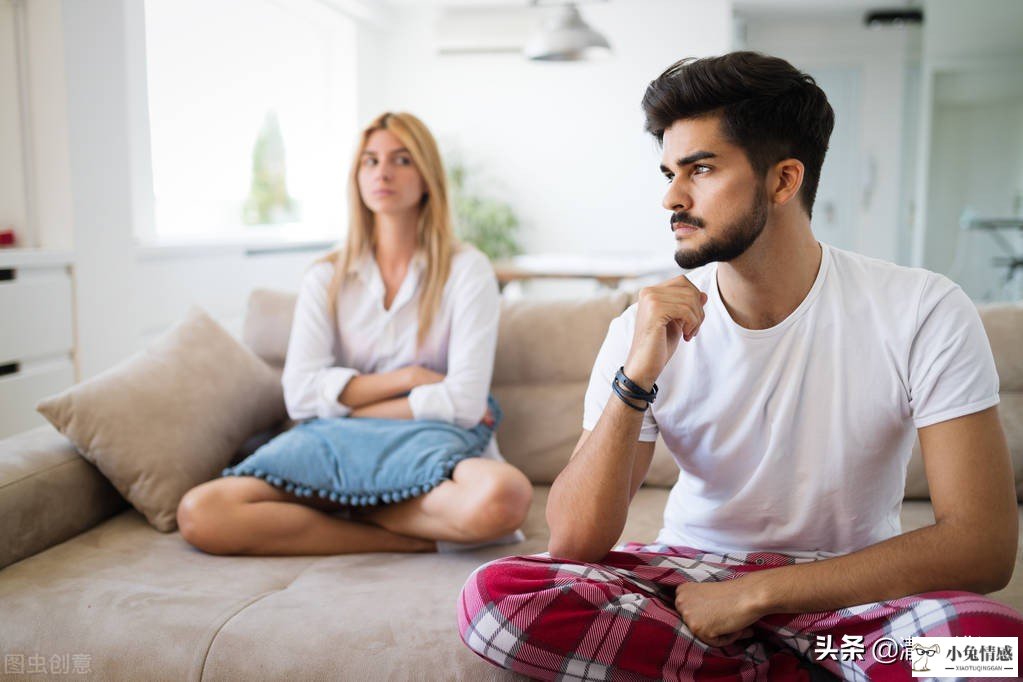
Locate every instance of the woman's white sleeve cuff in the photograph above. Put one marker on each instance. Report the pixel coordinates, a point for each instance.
(332, 383)
(432, 402)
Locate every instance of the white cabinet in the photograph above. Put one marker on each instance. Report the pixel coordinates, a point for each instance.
(37, 343)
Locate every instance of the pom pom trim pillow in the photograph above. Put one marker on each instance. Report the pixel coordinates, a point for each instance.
(364, 462)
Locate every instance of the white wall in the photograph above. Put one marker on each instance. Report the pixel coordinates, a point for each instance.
(101, 153)
(563, 143)
(878, 205)
(50, 181)
(957, 30)
(976, 165)
(127, 294)
(970, 141)
(13, 209)
(34, 187)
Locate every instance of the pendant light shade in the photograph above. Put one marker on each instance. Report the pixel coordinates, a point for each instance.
(565, 37)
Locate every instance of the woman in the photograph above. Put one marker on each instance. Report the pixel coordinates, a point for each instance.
(400, 324)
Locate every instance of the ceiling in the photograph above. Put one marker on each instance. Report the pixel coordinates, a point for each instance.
(750, 9)
(742, 5)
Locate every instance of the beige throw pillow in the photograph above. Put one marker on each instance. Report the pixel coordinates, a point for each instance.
(170, 417)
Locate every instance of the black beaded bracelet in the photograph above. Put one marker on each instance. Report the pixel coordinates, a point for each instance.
(635, 390)
(621, 394)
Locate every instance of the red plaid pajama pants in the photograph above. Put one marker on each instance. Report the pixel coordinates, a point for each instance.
(616, 620)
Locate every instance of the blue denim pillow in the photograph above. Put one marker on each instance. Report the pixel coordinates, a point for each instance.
(361, 462)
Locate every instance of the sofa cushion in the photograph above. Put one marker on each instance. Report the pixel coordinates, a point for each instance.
(1003, 323)
(541, 426)
(545, 353)
(267, 326)
(549, 342)
(141, 605)
(170, 417)
(144, 605)
(539, 342)
(48, 493)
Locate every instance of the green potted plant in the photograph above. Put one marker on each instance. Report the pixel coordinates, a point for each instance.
(488, 224)
(268, 201)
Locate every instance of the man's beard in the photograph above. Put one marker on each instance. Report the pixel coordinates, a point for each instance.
(734, 240)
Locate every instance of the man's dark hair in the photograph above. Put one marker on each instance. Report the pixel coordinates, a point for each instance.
(769, 108)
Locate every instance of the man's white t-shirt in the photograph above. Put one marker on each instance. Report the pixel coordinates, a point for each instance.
(796, 438)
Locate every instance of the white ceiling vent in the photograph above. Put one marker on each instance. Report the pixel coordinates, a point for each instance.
(484, 30)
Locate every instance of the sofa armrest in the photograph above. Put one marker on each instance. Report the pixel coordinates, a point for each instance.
(48, 493)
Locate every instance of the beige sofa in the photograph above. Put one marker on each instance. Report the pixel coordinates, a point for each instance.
(90, 590)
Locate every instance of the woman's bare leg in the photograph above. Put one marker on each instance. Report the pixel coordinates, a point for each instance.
(484, 500)
(246, 515)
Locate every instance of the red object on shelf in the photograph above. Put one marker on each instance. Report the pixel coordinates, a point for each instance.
(6, 238)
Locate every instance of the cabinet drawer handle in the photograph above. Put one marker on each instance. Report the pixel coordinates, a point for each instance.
(11, 368)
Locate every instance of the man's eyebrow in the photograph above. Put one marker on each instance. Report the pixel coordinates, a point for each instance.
(692, 158)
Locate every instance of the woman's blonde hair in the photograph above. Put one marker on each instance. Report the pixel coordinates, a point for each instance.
(435, 237)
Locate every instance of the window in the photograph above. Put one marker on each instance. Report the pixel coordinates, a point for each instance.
(252, 117)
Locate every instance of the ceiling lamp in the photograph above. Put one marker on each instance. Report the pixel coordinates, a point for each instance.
(565, 37)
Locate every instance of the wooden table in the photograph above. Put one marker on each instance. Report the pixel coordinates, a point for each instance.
(609, 270)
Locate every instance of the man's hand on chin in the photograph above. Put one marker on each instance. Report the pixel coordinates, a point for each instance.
(717, 613)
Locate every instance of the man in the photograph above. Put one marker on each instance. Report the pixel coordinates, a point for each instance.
(789, 380)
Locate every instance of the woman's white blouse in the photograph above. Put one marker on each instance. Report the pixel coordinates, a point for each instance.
(323, 357)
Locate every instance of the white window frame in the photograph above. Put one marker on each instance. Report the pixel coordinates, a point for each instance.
(16, 195)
